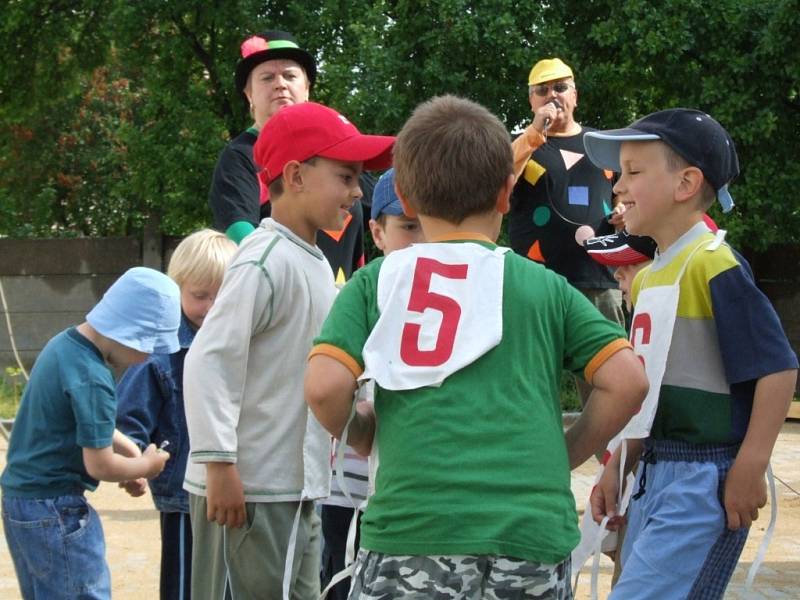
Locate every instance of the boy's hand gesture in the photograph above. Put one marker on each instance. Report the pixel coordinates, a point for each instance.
(603, 498)
(156, 459)
(225, 495)
(135, 487)
(745, 493)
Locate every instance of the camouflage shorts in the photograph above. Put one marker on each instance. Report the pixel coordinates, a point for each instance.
(385, 576)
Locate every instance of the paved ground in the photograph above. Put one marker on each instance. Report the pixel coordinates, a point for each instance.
(132, 536)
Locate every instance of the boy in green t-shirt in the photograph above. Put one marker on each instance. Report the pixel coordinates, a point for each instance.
(466, 343)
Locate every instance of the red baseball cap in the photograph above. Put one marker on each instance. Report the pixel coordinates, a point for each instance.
(302, 131)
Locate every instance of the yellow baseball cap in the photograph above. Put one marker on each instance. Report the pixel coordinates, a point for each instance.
(549, 69)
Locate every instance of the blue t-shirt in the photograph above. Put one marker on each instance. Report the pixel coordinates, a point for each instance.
(68, 404)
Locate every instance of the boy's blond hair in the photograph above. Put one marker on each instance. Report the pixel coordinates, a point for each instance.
(451, 158)
(201, 258)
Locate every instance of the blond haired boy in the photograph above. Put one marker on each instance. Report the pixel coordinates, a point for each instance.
(257, 457)
(721, 371)
(466, 343)
(150, 402)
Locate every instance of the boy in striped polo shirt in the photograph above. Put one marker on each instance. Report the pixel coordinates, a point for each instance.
(720, 367)
(466, 342)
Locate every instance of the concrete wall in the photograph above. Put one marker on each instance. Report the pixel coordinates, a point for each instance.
(51, 284)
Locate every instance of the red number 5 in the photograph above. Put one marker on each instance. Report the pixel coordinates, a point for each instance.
(422, 298)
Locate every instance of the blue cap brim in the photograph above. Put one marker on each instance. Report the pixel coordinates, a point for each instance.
(602, 147)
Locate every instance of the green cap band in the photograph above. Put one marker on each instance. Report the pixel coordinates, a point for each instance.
(281, 44)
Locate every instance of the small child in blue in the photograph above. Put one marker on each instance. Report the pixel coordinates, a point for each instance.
(64, 441)
(151, 403)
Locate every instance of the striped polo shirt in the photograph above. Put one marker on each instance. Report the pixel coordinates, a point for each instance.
(727, 336)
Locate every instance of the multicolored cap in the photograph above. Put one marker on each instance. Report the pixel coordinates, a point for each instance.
(272, 45)
(621, 248)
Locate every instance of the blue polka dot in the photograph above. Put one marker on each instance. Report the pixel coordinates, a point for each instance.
(541, 216)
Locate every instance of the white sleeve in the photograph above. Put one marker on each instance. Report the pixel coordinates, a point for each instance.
(215, 370)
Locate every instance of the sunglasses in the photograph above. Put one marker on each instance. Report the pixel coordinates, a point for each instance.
(542, 89)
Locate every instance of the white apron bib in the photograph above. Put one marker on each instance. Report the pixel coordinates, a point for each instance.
(432, 323)
(651, 336)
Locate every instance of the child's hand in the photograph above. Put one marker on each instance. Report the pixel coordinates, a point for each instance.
(225, 495)
(156, 459)
(745, 493)
(135, 487)
(616, 218)
(603, 498)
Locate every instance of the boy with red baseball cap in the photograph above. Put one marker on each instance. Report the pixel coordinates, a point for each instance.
(258, 459)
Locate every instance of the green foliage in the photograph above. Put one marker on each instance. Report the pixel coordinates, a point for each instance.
(570, 401)
(112, 112)
(11, 387)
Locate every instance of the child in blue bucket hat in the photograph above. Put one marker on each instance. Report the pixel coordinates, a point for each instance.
(64, 441)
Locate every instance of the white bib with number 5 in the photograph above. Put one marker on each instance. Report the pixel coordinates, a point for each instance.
(441, 308)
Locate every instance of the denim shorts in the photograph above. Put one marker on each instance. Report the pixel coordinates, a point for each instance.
(58, 547)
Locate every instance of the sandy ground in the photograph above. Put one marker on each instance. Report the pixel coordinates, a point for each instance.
(132, 536)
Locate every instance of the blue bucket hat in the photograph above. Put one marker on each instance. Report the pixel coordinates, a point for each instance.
(141, 310)
(384, 198)
(693, 134)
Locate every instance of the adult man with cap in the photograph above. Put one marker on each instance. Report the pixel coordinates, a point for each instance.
(273, 72)
(559, 193)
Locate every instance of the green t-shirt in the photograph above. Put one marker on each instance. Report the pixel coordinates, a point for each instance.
(68, 404)
(479, 464)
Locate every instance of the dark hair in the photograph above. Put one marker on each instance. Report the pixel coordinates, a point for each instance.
(451, 158)
(276, 187)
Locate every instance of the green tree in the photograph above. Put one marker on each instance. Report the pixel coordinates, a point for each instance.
(114, 112)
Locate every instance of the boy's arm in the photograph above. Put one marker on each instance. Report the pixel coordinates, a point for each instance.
(619, 387)
(329, 390)
(104, 464)
(139, 402)
(745, 489)
(603, 498)
(124, 446)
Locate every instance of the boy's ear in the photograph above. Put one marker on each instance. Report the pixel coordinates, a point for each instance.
(377, 234)
(408, 210)
(690, 184)
(503, 202)
(292, 176)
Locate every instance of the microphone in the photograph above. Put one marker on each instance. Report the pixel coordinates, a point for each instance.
(547, 120)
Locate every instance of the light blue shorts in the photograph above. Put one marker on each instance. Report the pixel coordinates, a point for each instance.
(677, 544)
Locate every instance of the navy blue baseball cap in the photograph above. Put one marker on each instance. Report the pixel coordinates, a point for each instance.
(693, 134)
(384, 198)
